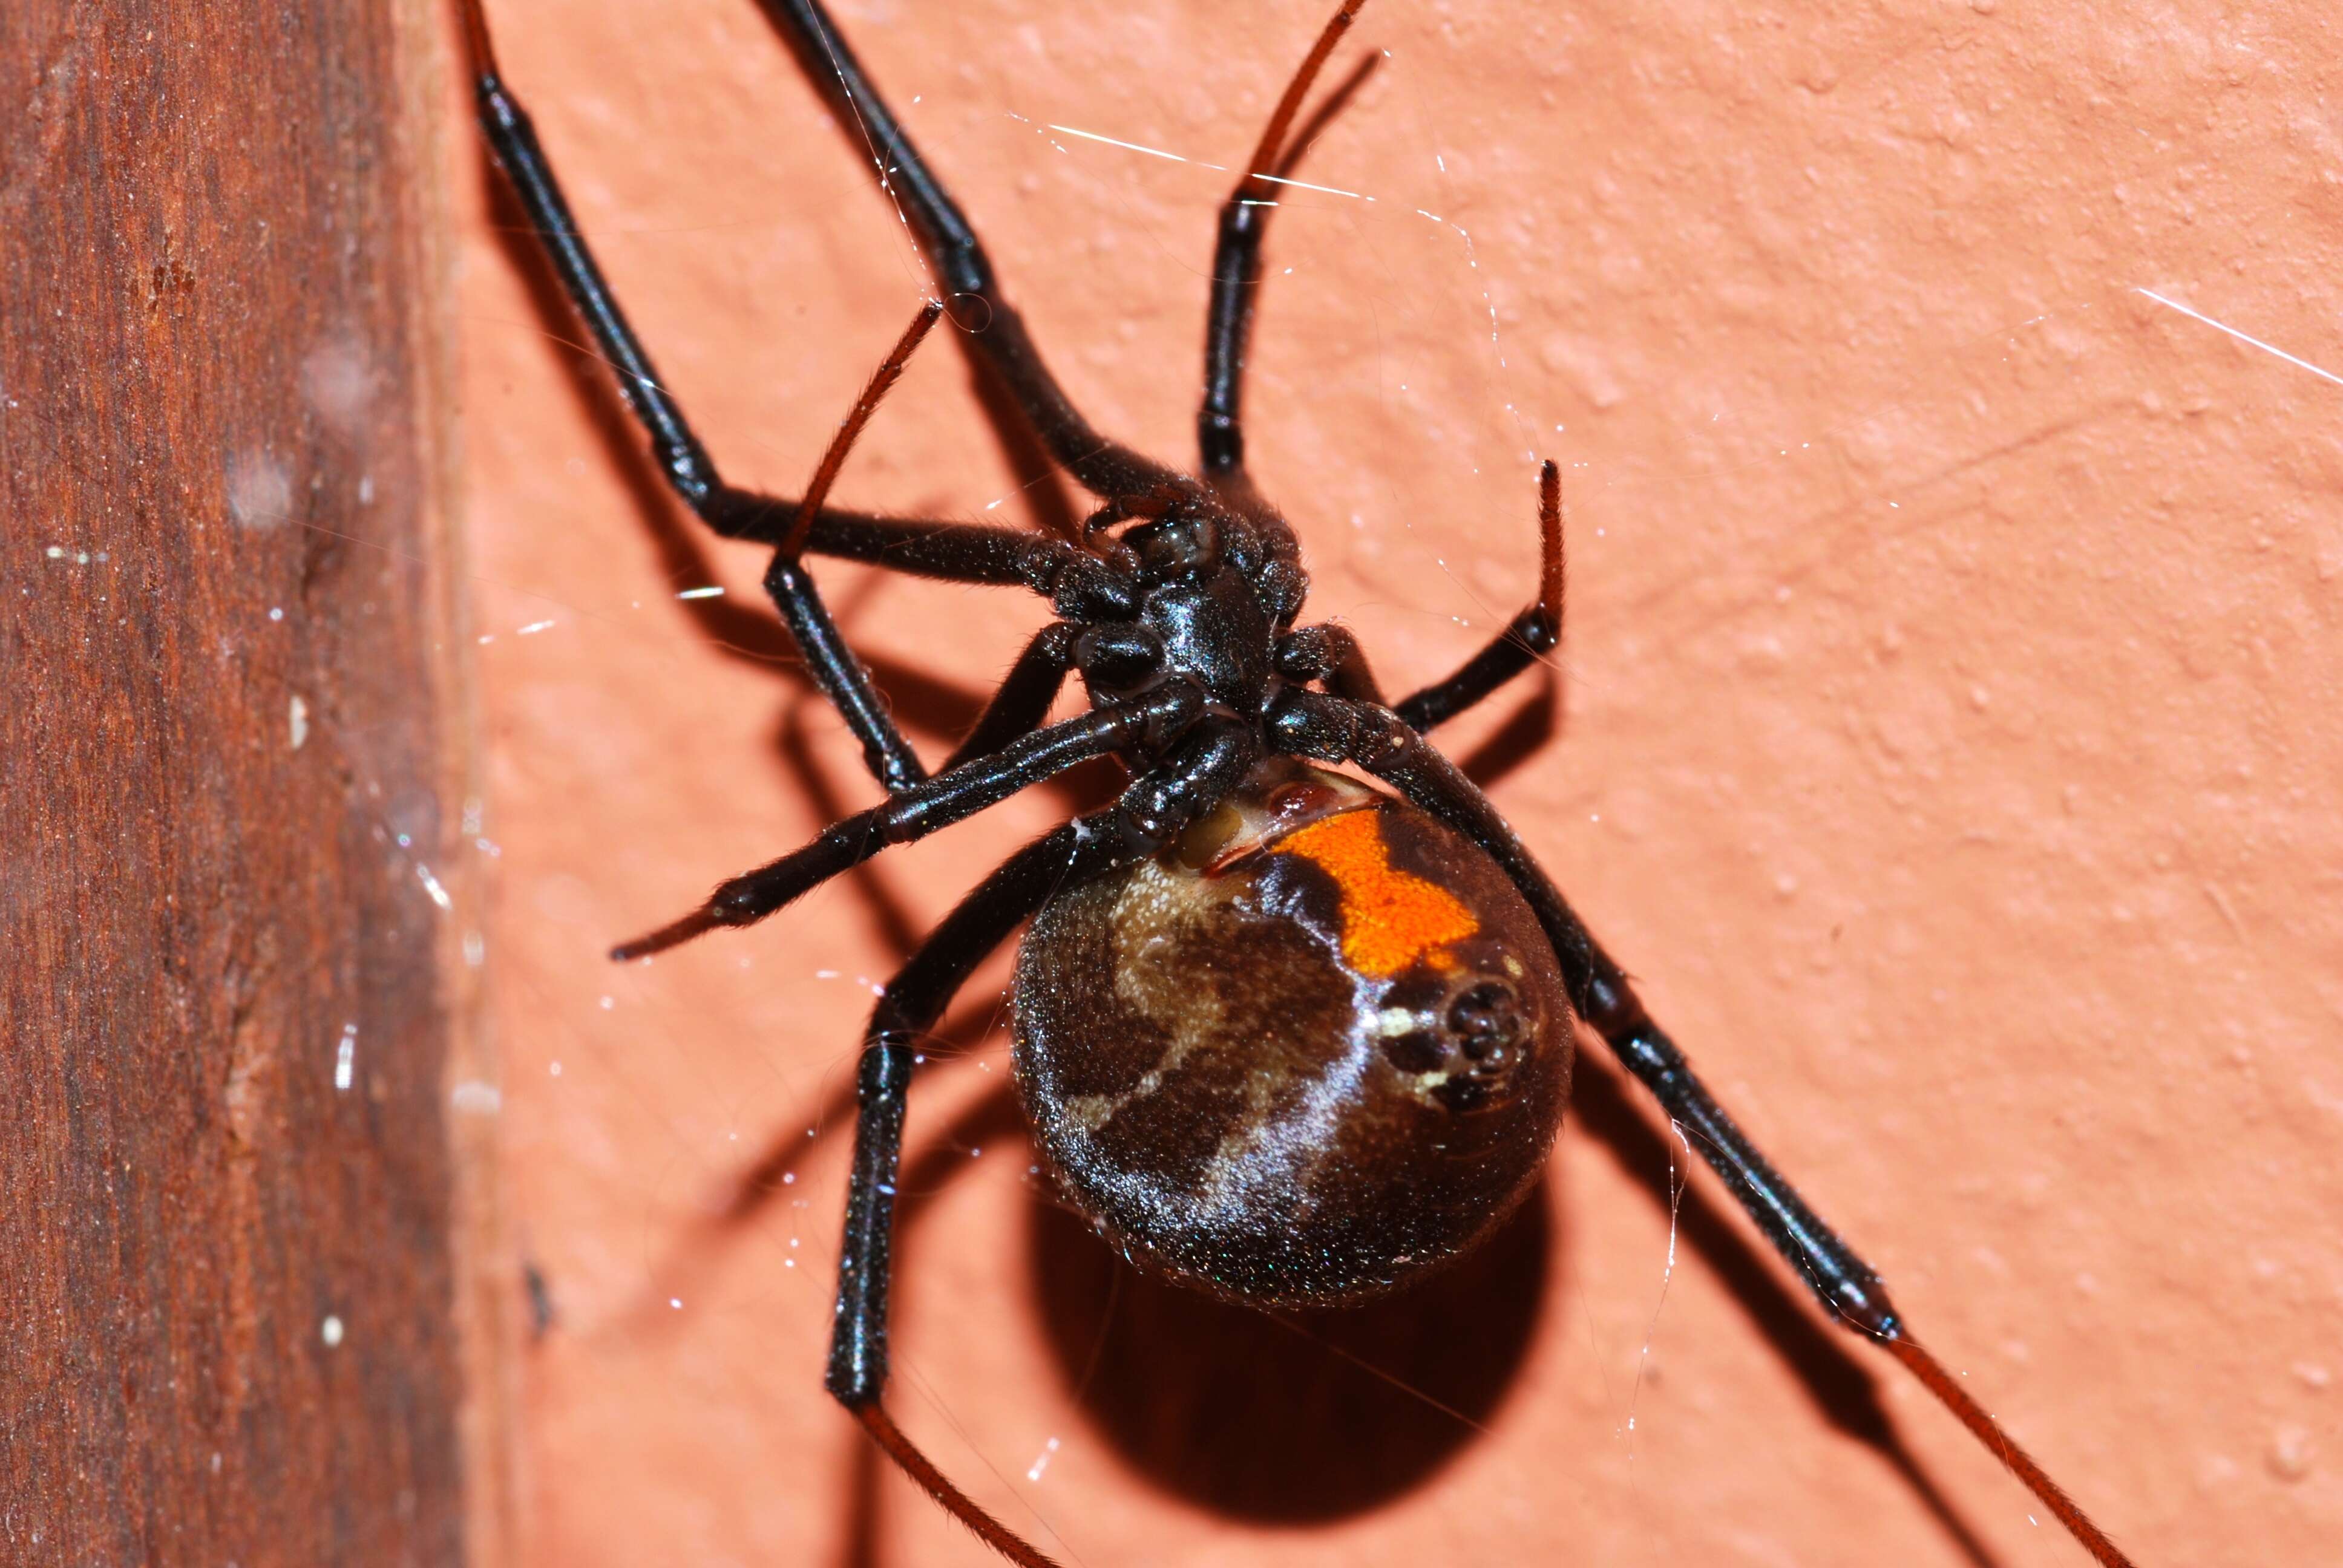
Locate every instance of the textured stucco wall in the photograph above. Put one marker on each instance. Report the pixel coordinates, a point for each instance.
(1947, 733)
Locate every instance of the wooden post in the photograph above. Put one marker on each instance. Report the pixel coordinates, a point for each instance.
(227, 1281)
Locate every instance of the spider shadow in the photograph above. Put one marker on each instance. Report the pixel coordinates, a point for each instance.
(1842, 1388)
(1290, 1417)
(1306, 1418)
(1838, 1379)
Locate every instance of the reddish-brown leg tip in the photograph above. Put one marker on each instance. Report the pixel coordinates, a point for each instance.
(922, 1468)
(1941, 1383)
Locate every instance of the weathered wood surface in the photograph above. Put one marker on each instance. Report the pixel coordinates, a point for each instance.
(225, 1201)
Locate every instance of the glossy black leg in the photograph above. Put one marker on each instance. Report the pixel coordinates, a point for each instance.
(842, 677)
(1153, 811)
(1329, 653)
(1080, 585)
(689, 470)
(1024, 696)
(1236, 257)
(1156, 807)
(1103, 466)
(928, 807)
(1535, 631)
(946, 552)
(1386, 746)
(513, 138)
(908, 1008)
(1317, 725)
(914, 999)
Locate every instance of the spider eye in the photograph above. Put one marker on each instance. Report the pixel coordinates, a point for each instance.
(1182, 545)
(1118, 657)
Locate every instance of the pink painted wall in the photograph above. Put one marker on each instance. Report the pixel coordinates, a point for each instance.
(1949, 733)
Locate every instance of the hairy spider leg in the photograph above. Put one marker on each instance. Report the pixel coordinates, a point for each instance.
(1023, 697)
(1152, 812)
(1535, 631)
(682, 458)
(914, 999)
(1236, 253)
(917, 810)
(970, 553)
(1332, 729)
(1103, 466)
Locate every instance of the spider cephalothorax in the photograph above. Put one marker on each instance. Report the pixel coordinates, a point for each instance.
(1210, 604)
(1281, 1034)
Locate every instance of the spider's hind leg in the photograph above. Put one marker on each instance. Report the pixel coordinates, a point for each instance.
(1848, 1289)
(1200, 773)
(908, 1006)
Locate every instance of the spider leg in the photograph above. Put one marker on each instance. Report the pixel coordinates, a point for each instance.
(682, 456)
(1080, 584)
(1536, 630)
(949, 552)
(1024, 696)
(1330, 653)
(914, 999)
(1151, 811)
(1103, 466)
(1317, 725)
(920, 809)
(1236, 253)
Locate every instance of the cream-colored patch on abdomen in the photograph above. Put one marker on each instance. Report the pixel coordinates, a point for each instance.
(1148, 914)
(1155, 912)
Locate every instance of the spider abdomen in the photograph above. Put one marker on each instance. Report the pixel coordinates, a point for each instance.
(1320, 1049)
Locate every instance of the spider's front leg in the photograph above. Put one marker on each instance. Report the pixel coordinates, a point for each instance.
(1153, 811)
(912, 813)
(1236, 251)
(683, 459)
(1101, 465)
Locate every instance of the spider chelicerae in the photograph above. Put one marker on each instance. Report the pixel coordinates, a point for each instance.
(1282, 1036)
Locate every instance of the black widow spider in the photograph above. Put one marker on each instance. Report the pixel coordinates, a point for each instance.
(1285, 1037)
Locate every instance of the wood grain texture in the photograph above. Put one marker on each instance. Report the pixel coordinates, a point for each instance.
(225, 1178)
